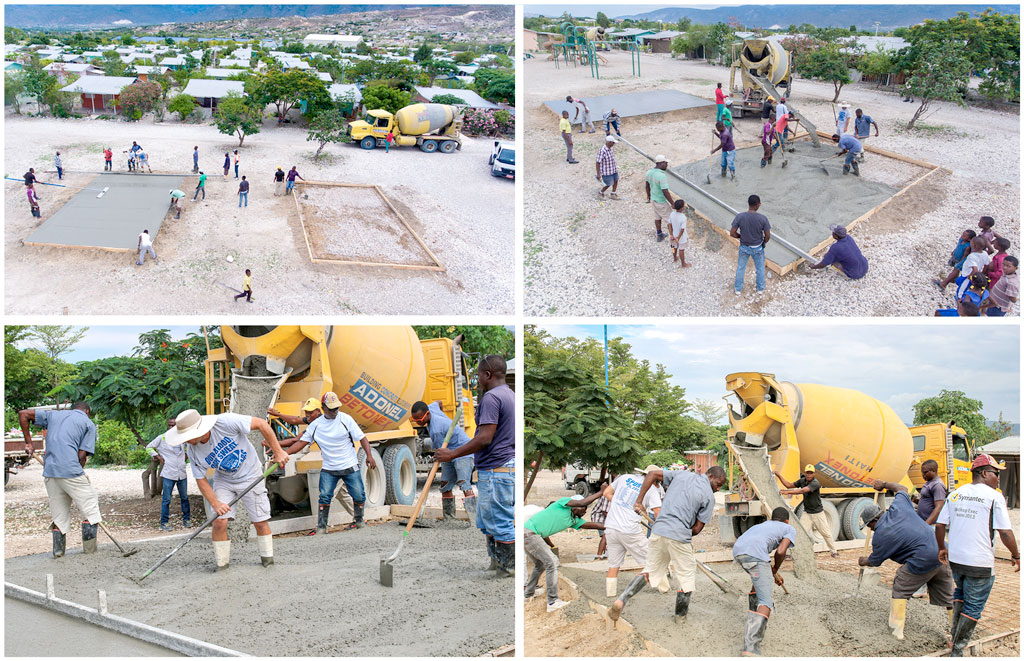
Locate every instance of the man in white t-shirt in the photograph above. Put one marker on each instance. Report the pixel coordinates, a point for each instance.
(221, 442)
(336, 434)
(973, 514)
(145, 245)
(622, 526)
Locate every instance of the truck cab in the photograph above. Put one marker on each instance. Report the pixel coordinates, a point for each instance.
(948, 446)
(503, 160)
(372, 130)
(584, 480)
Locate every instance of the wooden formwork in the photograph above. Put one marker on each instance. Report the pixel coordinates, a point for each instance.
(436, 263)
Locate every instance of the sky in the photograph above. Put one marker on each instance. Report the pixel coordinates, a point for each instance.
(612, 11)
(897, 364)
(106, 341)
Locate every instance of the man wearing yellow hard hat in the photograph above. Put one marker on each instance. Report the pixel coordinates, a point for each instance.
(814, 517)
(310, 412)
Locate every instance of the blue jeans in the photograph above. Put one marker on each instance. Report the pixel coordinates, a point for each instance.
(165, 503)
(973, 592)
(199, 188)
(353, 482)
(994, 312)
(729, 158)
(757, 253)
(60, 172)
(243, 196)
(849, 158)
(496, 502)
(290, 186)
(236, 170)
(458, 471)
(760, 573)
(608, 126)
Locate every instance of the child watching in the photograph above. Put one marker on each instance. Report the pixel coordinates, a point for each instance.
(977, 291)
(963, 247)
(975, 261)
(986, 223)
(678, 238)
(994, 269)
(1005, 292)
(963, 309)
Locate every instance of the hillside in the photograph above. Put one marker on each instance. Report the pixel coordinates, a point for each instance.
(97, 16)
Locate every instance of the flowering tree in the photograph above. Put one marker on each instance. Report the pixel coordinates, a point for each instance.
(139, 98)
(479, 121)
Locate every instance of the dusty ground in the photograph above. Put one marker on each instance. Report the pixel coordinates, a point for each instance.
(579, 630)
(571, 270)
(469, 226)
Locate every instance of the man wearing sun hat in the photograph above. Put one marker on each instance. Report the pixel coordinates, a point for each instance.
(814, 517)
(221, 442)
(973, 514)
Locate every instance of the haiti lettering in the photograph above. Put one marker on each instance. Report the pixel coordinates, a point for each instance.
(226, 456)
(377, 401)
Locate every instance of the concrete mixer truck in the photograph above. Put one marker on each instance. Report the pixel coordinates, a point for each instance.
(378, 372)
(429, 126)
(851, 439)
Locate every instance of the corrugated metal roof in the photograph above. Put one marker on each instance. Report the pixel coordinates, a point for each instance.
(215, 89)
(100, 84)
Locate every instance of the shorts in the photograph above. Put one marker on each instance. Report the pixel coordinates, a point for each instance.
(939, 581)
(610, 179)
(680, 243)
(256, 502)
(620, 543)
(661, 210)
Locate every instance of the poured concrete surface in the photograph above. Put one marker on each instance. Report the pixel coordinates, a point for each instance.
(800, 200)
(817, 618)
(134, 202)
(33, 631)
(322, 597)
(633, 104)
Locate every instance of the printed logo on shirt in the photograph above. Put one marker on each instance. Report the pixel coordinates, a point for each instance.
(226, 456)
(627, 497)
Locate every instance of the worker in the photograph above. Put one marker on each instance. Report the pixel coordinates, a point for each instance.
(144, 161)
(195, 159)
(607, 168)
(728, 147)
(201, 186)
(850, 146)
(278, 182)
(814, 517)
(220, 442)
(135, 148)
(688, 506)
(973, 514)
(243, 192)
(862, 128)
(901, 536)
(33, 201)
(565, 128)
(767, 135)
(70, 441)
(843, 119)
(726, 114)
(622, 526)
(611, 121)
(310, 412)
(782, 110)
(782, 131)
(457, 472)
(172, 472)
(598, 515)
(494, 452)
(236, 163)
(845, 254)
(30, 177)
(57, 163)
(654, 500)
(720, 96)
(176, 196)
(246, 292)
(145, 246)
(752, 552)
(753, 231)
(658, 195)
(767, 108)
(108, 159)
(560, 515)
(582, 115)
(227, 164)
(931, 495)
(292, 175)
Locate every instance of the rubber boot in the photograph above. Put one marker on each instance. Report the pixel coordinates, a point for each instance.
(469, 502)
(492, 552)
(448, 508)
(611, 587)
(846, 169)
(682, 606)
(897, 617)
(634, 587)
(954, 615)
(962, 634)
(753, 636)
(322, 516)
(266, 545)
(357, 516)
(222, 552)
(856, 169)
(506, 556)
(723, 172)
(89, 537)
(763, 162)
(59, 543)
(752, 601)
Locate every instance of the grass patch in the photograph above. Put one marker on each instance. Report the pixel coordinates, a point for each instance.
(531, 261)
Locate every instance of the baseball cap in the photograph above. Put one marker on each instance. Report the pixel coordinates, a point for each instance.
(987, 460)
(650, 468)
(610, 138)
(809, 468)
(330, 400)
(838, 230)
(660, 158)
(869, 514)
(728, 102)
(311, 404)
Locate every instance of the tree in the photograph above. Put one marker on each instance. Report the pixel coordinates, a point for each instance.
(386, 98)
(436, 68)
(1000, 428)
(602, 19)
(956, 407)
(477, 340)
(465, 57)
(168, 41)
(718, 37)
(38, 84)
(111, 63)
(287, 89)
(708, 411)
(27, 371)
(328, 126)
(54, 342)
(164, 80)
(683, 24)
(449, 99)
(13, 35)
(127, 40)
(236, 115)
(139, 98)
(828, 64)
(939, 74)
(363, 48)
(423, 53)
(183, 105)
(878, 63)
(14, 87)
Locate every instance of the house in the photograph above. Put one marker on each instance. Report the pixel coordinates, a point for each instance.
(339, 92)
(100, 93)
(229, 63)
(69, 57)
(324, 76)
(628, 33)
(471, 99)
(11, 67)
(223, 74)
(207, 92)
(1007, 450)
(339, 40)
(174, 63)
(241, 54)
(144, 72)
(661, 42)
(64, 70)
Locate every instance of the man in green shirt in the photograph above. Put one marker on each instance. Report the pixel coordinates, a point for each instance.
(727, 114)
(201, 186)
(560, 515)
(657, 193)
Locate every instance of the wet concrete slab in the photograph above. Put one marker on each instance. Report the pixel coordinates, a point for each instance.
(634, 104)
(134, 202)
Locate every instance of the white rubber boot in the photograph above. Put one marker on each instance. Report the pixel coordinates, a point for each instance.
(611, 588)
(222, 551)
(266, 544)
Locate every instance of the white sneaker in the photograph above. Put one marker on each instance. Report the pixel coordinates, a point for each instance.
(558, 604)
(530, 597)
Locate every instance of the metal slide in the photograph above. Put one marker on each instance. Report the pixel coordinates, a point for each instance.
(767, 86)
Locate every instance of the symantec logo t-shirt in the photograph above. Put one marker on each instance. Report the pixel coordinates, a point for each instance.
(967, 514)
(621, 515)
(228, 451)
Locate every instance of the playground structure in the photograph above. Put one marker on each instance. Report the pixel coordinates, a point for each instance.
(579, 45)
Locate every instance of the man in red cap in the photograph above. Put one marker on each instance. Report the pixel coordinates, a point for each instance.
(973, 514)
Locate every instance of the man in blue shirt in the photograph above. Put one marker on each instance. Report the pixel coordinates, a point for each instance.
(901, 536)
(845, 254)
(862, 129)
(458, 471)
(850, 146)
(70, 441)
(752, 551)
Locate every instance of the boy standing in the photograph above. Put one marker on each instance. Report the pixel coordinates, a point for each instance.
(247, 287)
(174, 476)
(565, 127)
(678, 238)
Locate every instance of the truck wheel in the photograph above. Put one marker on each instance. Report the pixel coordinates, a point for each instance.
(448, 146)
(429, 146)
(742, 524)
(851, 517)
(833, 517)
(374, 481)
(841, 506)
(400, 468)
(582, 489)
(368, 142)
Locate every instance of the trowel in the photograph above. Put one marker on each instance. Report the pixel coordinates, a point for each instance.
(386, 568)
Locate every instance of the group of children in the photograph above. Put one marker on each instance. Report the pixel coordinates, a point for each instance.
(985, 276)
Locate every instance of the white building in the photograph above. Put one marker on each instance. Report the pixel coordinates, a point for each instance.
(340, 40)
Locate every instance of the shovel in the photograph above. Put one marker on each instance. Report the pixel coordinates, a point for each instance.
(870, 572)
(821, 163)
(386, 568)
(711, 161)
(206, 524)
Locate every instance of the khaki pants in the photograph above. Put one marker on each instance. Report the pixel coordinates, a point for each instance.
(278, 188)
(66, 490)
(819, 522)
(662, 552)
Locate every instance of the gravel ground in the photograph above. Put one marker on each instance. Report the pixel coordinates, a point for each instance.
(570, 270)
(470, 227)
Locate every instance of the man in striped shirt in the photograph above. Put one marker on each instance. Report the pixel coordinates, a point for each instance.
(607, 168)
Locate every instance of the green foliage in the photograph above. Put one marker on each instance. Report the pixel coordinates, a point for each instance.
(878, 63)
(956, 407)
(383, 97)
(363, 48)
(14, 87)
(665, 458)
(39, 84)
(182, 105)
(328, 126)
(477, 340)
(286, 89)
(29, 373)
(828, 64)
(435, 68)
(708, 411)
(13, 35)
(237, 116)
(465, 57)
(139, 98)
(495, 85)
(449, 99)
(115, 444)
(111, 63)
(424, 52)
(602, 19)
(53, 342)
(365, 71)
(940, 74)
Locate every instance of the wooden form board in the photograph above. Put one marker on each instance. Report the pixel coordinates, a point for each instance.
(436, 266)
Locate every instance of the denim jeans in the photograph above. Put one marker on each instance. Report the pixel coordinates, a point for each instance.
(243, 196)
(165, 503)
(729, 159)
(496, 501)
(608, 126)
(760, 573)
(236, 170)
(199, 188)
(291, 185)
(353, 482)
(458, 471)
(757, 252)
(544, 562)
(719, 109)
(994, 312)
(849, 158)
(973, 592)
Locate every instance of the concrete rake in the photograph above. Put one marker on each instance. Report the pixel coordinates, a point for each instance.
(102, 191)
